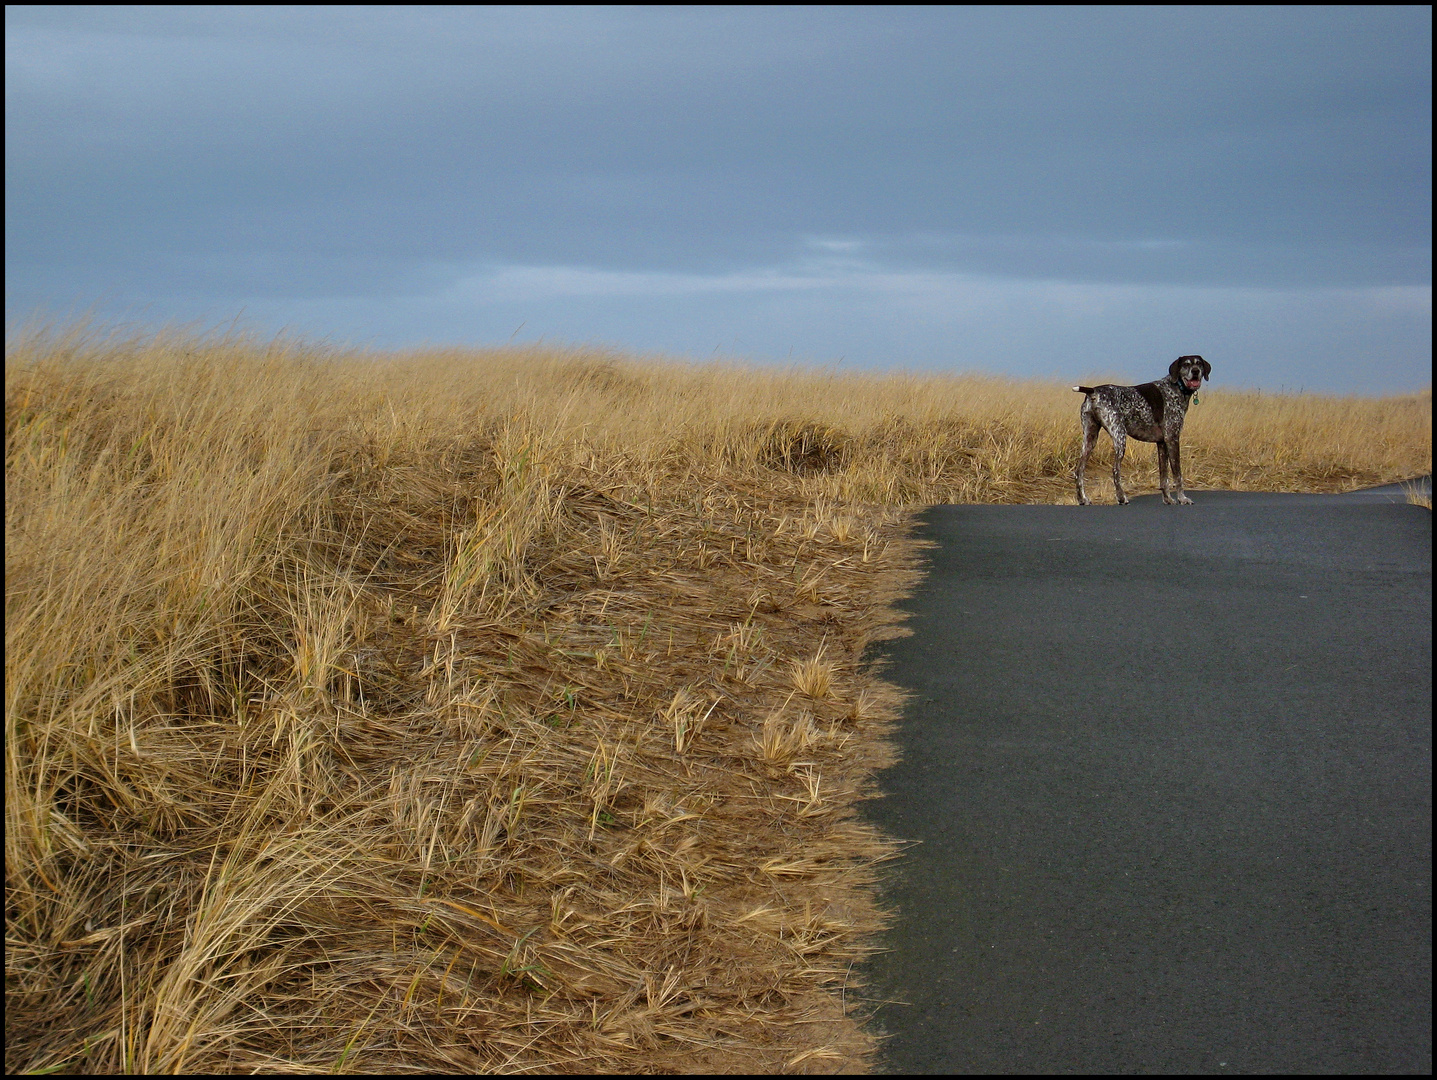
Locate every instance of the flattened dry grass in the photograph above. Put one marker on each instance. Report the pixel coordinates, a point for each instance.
(484, 711)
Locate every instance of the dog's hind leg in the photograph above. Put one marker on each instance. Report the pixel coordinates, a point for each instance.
(1091, 427)
(1120, 445)
(1163, 470)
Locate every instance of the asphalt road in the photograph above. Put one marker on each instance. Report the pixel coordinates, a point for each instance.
(1170, 772)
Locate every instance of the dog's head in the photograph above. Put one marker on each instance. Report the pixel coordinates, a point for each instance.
(1190, 371)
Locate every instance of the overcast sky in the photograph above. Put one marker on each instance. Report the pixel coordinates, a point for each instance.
(1035, 191)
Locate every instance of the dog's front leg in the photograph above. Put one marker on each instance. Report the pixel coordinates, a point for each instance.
(1178, 477)
(1163, 471)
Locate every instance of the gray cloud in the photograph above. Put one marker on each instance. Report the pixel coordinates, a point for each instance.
(358, 164)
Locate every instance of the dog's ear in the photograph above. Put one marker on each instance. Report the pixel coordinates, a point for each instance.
(1206, 367)
(1173, 367)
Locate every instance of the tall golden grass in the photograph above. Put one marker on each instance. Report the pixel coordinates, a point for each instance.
(486, 710)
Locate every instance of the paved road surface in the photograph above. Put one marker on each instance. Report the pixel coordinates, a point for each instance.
(1170, 768)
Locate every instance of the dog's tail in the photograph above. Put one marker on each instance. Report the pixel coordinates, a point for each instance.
(1083, 389)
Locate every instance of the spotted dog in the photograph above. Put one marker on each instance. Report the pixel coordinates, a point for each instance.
(1152, 412)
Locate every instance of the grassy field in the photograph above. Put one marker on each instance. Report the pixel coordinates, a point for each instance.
(498, 710)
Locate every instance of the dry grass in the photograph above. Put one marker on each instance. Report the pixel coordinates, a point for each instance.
(485, 711)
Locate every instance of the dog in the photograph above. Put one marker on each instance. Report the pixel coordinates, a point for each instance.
(1152, 412)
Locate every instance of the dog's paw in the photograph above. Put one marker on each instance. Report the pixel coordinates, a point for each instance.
(1184, 500)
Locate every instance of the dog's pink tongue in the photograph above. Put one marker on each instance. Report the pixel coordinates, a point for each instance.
(1193, 384)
